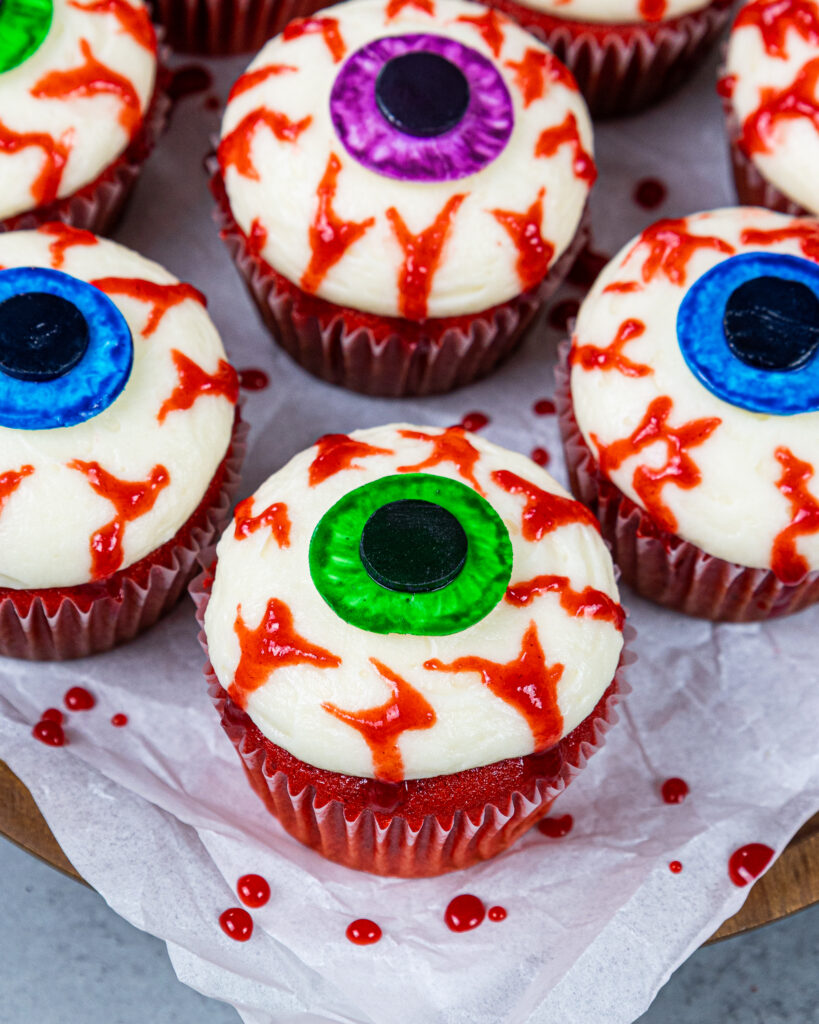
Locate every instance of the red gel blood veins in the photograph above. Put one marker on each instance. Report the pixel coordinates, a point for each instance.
(79, 699)
(464, 913)
(541, 456)
(252, 379)
(674, 790)
(650, 193)
(496, 913)
(544, 407)
(675, 866)
(236, 923)
(52, 715)
(49, 732)
(562, 312)
(363, 932)
(748, 862)
(556, 828)
(253, 890)
(119, 720)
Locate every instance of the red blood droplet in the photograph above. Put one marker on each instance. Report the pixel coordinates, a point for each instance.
(650, 193)
(464, 913)
(748, 862)
(586, 268)
(544, 407)
(189, 80)
(49, 732)
(253, 890)
(52, 715)
(674, 790)
(212, 103)
(474, 421)
(236, 923)
(253, 379)
(79, 699)
(496, 913)
(119, 719)
(556, 828)
(562, 312)
(363, 932)
(675, 866)
(541, 456)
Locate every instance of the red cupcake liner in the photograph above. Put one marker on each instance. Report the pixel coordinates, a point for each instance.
(622, 69)
(752, 188)
(98, 206)
(662, 566)
(221, 27)
(378, 355)
(59, 623)
(420, 827)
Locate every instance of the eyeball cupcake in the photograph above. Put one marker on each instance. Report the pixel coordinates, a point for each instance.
(625, 54)
(402, 185)
(118, 446)
(691, 415)
(770, 90)
(415, 636)
(80, 109)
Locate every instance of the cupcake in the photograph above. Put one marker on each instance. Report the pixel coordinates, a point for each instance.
(401, 187)
(414, 637)
(625, 54)
(81, 107)
(690, 416)
(118, 452)
(770, 90)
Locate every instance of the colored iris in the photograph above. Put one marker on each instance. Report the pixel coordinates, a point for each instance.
(65, 350)
(413, 553)
(421, 108)
(749, 331)
(24, 25)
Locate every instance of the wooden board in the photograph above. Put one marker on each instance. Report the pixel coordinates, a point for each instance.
(790, 885)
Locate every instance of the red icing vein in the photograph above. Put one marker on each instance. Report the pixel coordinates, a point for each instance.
(337, 452)
(326, 27)
(788, 565)
(65, 237)
(273, 644)
(394, 7)
(566, 134)
(527, 683)
(134, 21)
(543, 511)
(590, 357)
(382, 726)
(671, 248)
(489, 26)
(798, 100)
(587, 603)
(807, 233)
(775, 20)
(235, 147)
(451, 446)
(11, 480)
(274, 518)
(161, 297)
(533, 72)
(534, 251)
(250, 79)
(195, 382)
(45, 186)
(653, 10)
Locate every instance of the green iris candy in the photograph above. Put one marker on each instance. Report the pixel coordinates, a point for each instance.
(419, 587)
(24, 24)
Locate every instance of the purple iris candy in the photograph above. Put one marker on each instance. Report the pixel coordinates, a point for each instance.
(421, 108)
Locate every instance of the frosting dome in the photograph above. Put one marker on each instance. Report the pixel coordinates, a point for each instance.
(448, 690)
(613, 12)
(395, 204)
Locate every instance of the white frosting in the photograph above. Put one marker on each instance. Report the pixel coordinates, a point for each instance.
(473, 727)
(793, 141)
(46, 524)
(613, 12)
(478, 266)
(737, 510)
(89, 125)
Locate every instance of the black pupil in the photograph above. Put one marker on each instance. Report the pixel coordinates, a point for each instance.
(42, 336)
(413, 546)
(422, 93)
(772, 323)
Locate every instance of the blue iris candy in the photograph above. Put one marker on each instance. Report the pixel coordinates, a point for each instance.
(749, 331)
(65, 350)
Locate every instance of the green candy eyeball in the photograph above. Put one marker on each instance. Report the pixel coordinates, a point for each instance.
(24, 25)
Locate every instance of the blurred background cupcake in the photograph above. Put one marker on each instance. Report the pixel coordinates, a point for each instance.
(402, 186)
(119, 444)
(625, 54)
(414, 637)
(691, 416)
(770, 90)
(81, 106)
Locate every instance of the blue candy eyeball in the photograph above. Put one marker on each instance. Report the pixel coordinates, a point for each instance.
(749, 331)
(66, 351)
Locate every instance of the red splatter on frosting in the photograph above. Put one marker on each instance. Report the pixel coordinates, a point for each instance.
(273, 644)
(257, 239)
(160, 297)
(327, 28)
(536, 69)
(798, 100)
(590, 357)
(587, 603)
(381, 727)
(543, 511)
(194, 382)
(46, 185)
(274, 518)
(250, 79)
(775, 19)
(65, 237)
(394, 7)
(131, 499)
(337, 452)
(534, 251)
(11, 480)
(622, 287)
(451, 446)
(653, 10)
(422, 257)
(526, 683)
(330, 236)
(235, 148)
(807, 234)
(489, 26)
(786, 562)
(134, 21)
(679, 468)
(671, 248)
(567, 134)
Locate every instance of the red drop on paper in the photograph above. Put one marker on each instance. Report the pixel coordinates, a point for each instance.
(237, 924)
(253, 890)
(363, 932)
(464, 913)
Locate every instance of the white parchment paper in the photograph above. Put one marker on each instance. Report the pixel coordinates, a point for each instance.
(158, 817)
